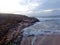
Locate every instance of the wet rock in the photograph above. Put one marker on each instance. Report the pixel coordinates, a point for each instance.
(11, 25)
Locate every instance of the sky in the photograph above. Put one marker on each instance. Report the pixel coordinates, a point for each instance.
(31, 7)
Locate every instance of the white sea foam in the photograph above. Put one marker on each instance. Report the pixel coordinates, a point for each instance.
(43, 28)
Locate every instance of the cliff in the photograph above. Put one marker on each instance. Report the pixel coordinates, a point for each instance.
(11, 26)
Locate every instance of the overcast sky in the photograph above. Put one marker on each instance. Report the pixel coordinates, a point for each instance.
(30, 7)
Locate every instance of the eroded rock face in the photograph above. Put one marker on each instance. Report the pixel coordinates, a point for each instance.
(11, 26)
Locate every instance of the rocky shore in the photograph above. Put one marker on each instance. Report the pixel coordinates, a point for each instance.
(11, 26)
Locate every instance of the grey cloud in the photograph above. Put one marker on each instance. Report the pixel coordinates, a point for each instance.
(52, 13)
(47, 4)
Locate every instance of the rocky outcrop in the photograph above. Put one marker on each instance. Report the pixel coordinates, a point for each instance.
(11, 26)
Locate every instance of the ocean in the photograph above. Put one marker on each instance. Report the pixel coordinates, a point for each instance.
(46, 26)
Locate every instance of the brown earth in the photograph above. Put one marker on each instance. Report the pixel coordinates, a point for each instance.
(12, 24)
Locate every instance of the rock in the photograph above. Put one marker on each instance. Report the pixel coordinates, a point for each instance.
(12, 24)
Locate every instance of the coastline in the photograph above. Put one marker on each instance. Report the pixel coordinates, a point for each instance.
(12, 24)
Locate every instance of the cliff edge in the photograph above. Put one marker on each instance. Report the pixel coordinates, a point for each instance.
(12, 24)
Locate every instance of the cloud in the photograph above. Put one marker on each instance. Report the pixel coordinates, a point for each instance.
(30, 7)
(49, 4)
(47, 8)
(48, 12)
(17, 6)
(8, 5)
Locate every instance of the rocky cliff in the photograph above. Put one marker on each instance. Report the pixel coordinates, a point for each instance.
(11, 26)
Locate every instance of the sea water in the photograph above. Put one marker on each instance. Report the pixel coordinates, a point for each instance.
(46, 26)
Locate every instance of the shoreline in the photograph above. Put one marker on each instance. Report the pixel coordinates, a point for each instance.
(11, 25)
